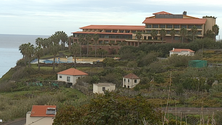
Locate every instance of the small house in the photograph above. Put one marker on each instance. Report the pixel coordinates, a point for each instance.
(130, 80)
(182, 52)
(70, 76)
(41, 115)
(101, 87)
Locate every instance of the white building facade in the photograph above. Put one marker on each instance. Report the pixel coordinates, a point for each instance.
(182, 52)
(41, 115)
(70, 75)
(130, 80)
(101, 87)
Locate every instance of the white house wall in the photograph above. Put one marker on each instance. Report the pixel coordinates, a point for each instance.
(187, 53)
(130, 83)
(73, 79)
(99, 89)
(38, 120)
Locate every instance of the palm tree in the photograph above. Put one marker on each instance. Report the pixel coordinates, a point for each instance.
(74, 50)
(70, 40)
(54, 49)
(55, 38)
(39, 41)
(81, 39)
(153, 33)
(215, 29)
(27, 51)
(139, 36)
(172, 33)
(96, 39)
(183, 33)
(38, 54)
(193, 31)
(63, 37)
(88, 39)
(162, 34)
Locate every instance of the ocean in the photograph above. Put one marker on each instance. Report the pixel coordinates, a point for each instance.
(9, 49)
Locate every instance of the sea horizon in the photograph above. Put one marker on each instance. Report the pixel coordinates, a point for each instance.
(9, 49)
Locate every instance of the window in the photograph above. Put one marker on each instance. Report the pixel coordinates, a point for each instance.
(133, 31)
(115, 31)
(124, 80)
(68, 79)
(148, 26)
(128, 80)
(176, 26)
(190, 26)
(169, 26)
(199, 33)
(108, 30)
(168, 32)
(60, 77)
(155, 26)
(121, 31)
(50, 111)
(79, 77)
(103, 88)
(183, 26)
(135, 81)
(162, 26)
(148, 31)
(127, 31)
(199, 26)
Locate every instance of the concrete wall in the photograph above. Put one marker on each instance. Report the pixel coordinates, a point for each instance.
(209, 23)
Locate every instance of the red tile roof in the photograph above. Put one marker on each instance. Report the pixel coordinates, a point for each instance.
(73, 72)
(173, 21)
(40, 110)
(80, 32)
(131, 76)
(162, 12)
(114, 27)
(180, 50)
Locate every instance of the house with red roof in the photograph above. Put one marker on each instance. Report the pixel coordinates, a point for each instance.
(70, 75)
(130, 80)
(182, 52)
(41, 115)
(126, 34)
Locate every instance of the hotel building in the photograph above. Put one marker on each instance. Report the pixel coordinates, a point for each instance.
(126, 34)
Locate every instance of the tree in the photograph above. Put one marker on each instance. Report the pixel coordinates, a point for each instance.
(162, 34)
(183, 33)
(193, 32)
(172, 33)
(74, 50)
(96, 39)
(28, 50)
(39, 41)
(215, 29)
(88, 39)
(110, 109)
(209, 34)
(153, 34)
(139, 36)
(54, 49)
(38, 54)
(81, 39)
(63, 37)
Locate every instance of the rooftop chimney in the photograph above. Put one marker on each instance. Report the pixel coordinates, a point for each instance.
(184, 12)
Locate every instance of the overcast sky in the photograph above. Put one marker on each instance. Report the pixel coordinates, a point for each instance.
(44, 17)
